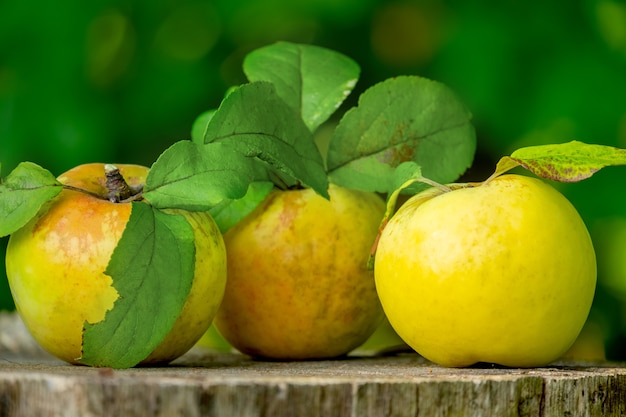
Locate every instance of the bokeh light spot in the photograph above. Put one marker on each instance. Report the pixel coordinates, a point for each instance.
(405, 34)
(611, 18)
(110, 44)
(189, 32)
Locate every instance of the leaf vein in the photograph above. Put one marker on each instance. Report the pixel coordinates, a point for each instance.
(383, 146)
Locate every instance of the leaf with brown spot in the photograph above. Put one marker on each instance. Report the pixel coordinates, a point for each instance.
(402, 119)
(565, 162)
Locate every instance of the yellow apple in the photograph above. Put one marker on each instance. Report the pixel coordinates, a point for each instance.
(298, 284)
(503, 272)
(55, 266)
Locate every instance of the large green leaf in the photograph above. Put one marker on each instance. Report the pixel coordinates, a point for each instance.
(152, 269)
(257, 122)
(198, 177)
(312, 80)
(22, 193)
(402, 119)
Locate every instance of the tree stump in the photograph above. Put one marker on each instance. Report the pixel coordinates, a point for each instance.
(205, 383)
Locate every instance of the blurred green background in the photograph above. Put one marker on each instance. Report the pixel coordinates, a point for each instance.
(119, 81)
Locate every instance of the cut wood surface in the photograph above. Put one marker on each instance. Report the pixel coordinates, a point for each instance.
(203, 383)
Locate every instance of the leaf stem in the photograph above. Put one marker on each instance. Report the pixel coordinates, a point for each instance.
(81, 190)
(506, 163)
(435, 184)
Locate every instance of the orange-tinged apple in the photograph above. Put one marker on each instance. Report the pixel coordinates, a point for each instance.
(298, 284)
(56, 263)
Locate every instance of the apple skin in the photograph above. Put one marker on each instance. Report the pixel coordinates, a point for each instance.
(501, 273)
(298, 285)
(55, 266)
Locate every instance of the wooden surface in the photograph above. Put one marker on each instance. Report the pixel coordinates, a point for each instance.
(203, 383)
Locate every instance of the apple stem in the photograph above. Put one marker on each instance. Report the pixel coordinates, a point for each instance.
(118, 189)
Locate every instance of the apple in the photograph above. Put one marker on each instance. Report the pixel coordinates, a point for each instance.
(55, 266)
(298, 284)
(499, 272)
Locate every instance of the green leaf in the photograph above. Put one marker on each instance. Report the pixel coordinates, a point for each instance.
(152, 269)
(22, 193)
(565, 162)
(257, 122)
(230, 212)
(197, 177)
(402, 119)
(405, 175)
(312, 80)
(198, 129)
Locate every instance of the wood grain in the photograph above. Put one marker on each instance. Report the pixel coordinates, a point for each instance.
(204, 383)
